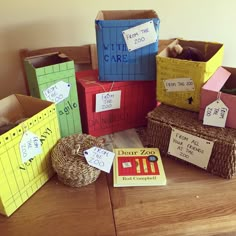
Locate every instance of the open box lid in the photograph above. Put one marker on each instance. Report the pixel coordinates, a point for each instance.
(88, 79)
(47, 59)
(126, 14)
(16, 106)
(217, 80)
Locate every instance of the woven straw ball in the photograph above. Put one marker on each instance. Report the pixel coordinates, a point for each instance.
(69, 162)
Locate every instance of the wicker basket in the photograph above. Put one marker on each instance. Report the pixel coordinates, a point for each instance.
(69, 163)
(163, 118)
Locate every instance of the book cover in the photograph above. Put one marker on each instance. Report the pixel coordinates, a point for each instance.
(138, 167)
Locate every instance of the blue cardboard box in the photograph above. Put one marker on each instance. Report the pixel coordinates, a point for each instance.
(116, 62)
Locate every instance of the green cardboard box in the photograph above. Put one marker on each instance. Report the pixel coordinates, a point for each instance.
(52, 77)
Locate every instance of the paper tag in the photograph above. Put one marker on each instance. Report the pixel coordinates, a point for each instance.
(216, 114)
(108, 101)
(179, 84)
(99, 158)
(30, 146)
(57, 92)
(190, 148)
(140, 36)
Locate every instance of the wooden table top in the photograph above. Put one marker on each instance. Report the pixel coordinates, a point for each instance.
(193, 202)
(58, 210)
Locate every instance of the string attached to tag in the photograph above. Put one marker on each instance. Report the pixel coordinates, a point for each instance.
(218, 96)
(77, 151)
(94, 82)
(24, 127)
(106, 100)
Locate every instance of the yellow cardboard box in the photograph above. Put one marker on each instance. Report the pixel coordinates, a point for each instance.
(21, 173)
(172, 71)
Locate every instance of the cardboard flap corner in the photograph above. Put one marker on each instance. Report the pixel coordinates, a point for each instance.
(217, 80)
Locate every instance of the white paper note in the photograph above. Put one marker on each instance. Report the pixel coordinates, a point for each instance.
(30, 146)
(57, 92)
(108, 101)
(190, 148)
(179, 84)
(99, 158)
(140, 36)
(216, 114)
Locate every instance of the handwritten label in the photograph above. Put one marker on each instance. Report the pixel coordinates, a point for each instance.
(140, 36)
(115, 53)
(107, 121)
(99, 158)
(25, 165)
(45, 135)
(42, 139)
(30, 146)
(179, 84)
(57, 92)
(190, 148)
(108, 101)
(216, 114)
(69, 107)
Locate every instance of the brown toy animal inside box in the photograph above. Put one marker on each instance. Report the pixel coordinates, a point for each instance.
(186, 53)
(179, 80)
(191, 50)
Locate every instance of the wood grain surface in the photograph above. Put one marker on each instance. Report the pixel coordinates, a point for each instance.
(192, 203)
(59, 210)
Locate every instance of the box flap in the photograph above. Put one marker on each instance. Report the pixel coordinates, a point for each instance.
(231, 82)
(47, 59)
(217, 81)
(11, 109)
(166, 51)
(208, 49)
(31, 105)
(126, 14)
(87, 77)
(16, 107)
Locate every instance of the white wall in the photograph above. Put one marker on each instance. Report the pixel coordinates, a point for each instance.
(38, 24)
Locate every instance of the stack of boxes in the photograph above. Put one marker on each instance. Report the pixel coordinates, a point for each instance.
(120, 94)
(190, 91)
(113, 97)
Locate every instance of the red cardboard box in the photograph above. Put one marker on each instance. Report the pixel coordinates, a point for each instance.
(223, 77)
(136, 100)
